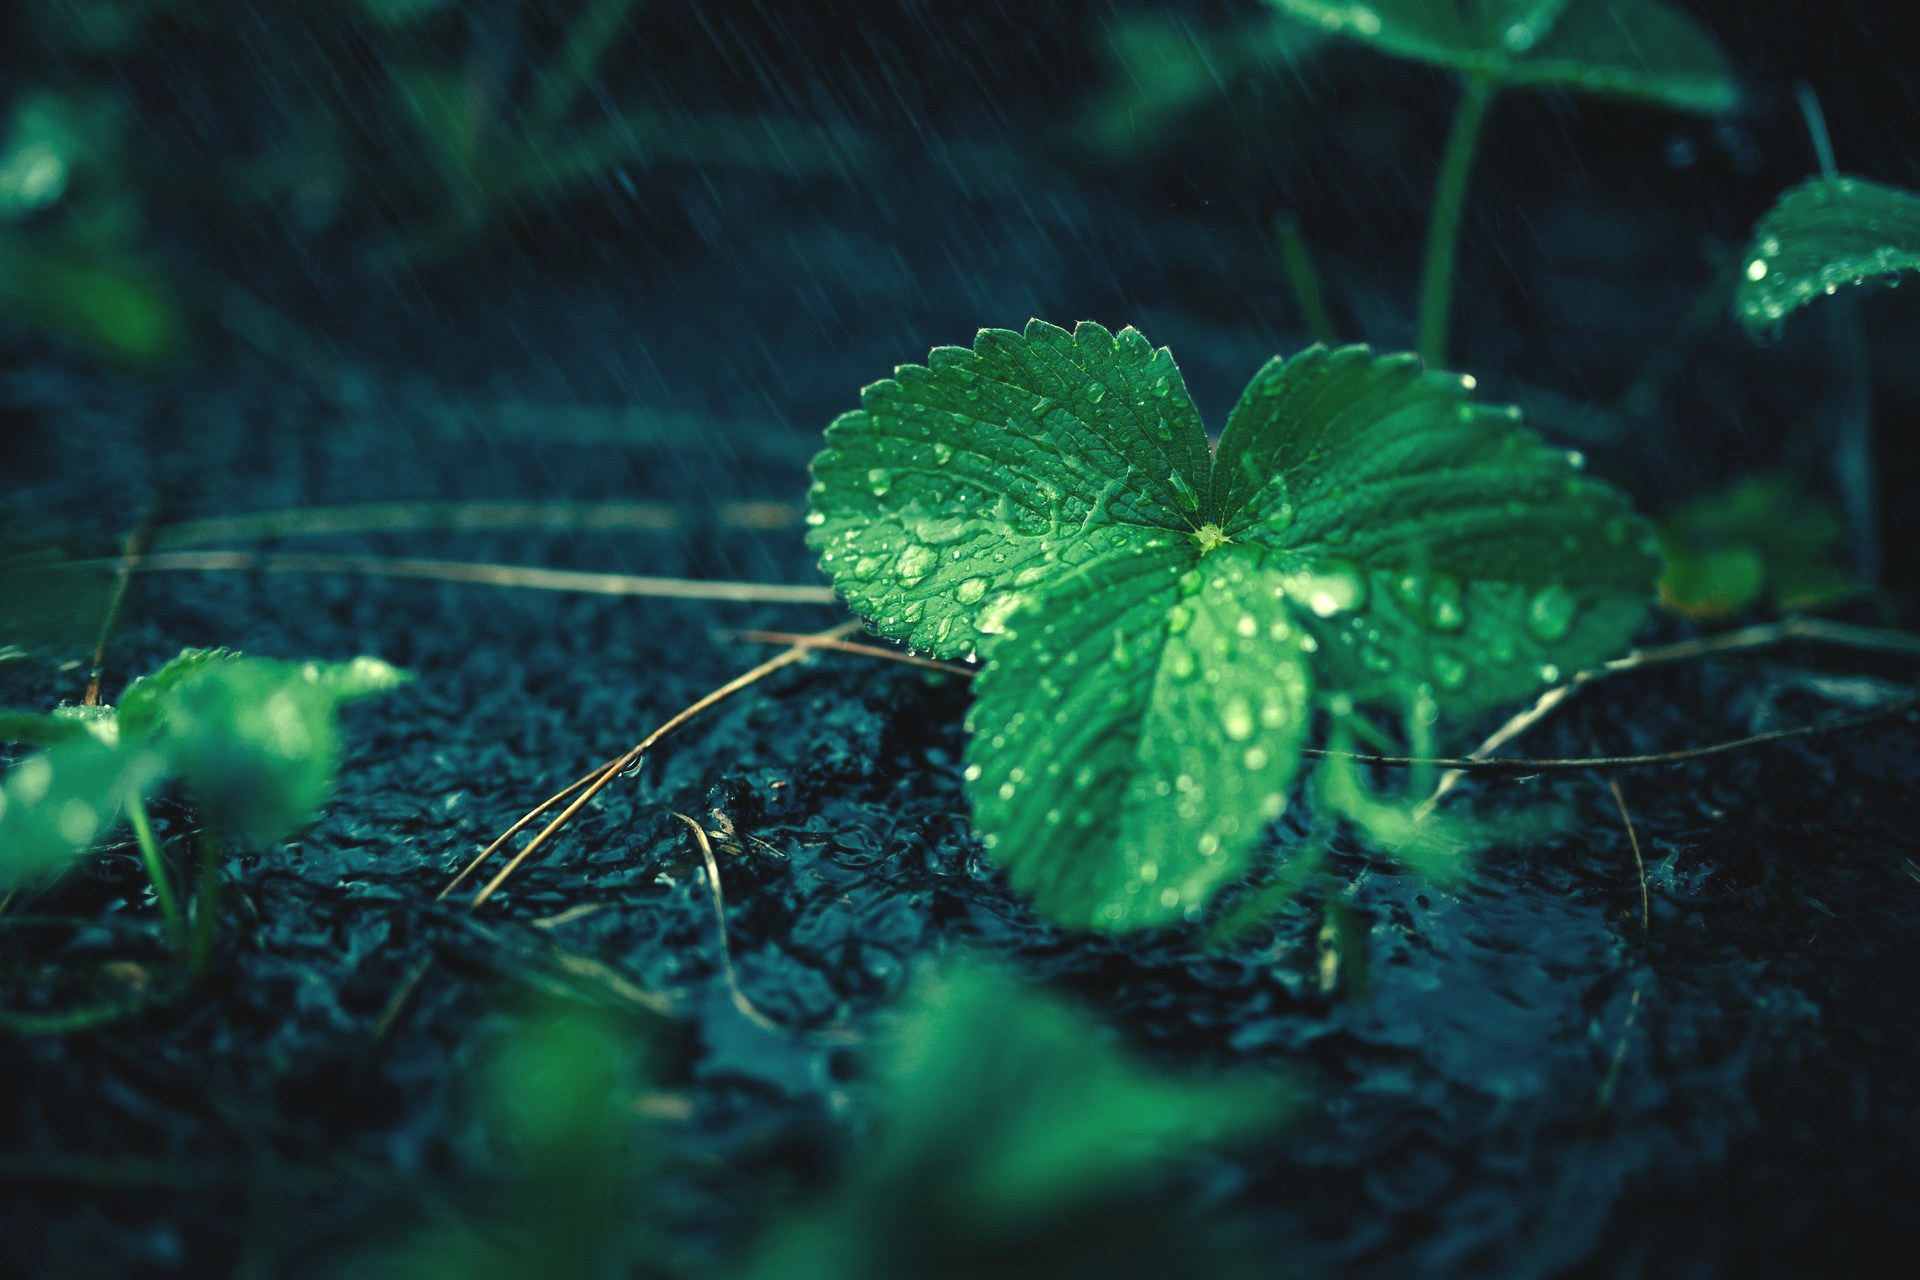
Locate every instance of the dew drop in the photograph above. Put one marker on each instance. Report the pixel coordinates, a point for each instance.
(971, 591)
(1550, 614)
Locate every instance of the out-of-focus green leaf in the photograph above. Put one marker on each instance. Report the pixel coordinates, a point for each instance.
(116, 306)
(38, 730)
(1823, 236)
(1017, 1140)
(143, 702)
(1763, 539)
(49, 600)
(65, 800)
(1640, 49)
(258, 740)
(1439, 844)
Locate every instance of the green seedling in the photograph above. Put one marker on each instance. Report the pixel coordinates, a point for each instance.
(255, 741)
(1038, 1159)
(1827, 234)
(1640, 50)
(1156, 617)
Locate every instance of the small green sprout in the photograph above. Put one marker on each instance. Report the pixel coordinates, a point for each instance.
(256, 741)
(1763, 539)
(1636, 49)
(1825, 235)
(1156, 617)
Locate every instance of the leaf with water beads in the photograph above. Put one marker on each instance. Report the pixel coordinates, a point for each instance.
(1152, 639)
(940, 503)
(1639, 49)
(1822, 236)
(1135, 731)
(1422, 538)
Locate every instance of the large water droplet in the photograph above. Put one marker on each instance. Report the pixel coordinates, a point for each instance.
(1550, 614)
(1335, 588)
(971, 591)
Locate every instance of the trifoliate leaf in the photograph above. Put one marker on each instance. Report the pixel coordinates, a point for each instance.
(1823, 236)
(1137, 729)
(1153, 620)
(938, 503)
(65, 800)
(1639, 49)
(1423, 538)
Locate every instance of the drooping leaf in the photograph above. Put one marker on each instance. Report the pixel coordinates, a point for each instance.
(1639, 49)
(65, 800)
(1821, 237)
(1153, 620)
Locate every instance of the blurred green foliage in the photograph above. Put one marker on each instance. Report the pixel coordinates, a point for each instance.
(255, 740)
(1765, 540)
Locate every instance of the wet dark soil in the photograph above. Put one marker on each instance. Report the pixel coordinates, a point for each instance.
(1530, 1083)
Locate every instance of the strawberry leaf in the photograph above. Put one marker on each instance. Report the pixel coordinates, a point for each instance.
(1821, 237)
(1639, 49)
(1154, 621)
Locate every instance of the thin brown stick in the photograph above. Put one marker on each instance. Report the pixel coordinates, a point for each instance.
(528, 577)
(640, 749)
(746, 1007)
(1607, 1086)
(853, 647)
(134, 547)
(1564, 764)
(1844, 635)
(525, 821)
(1639, 859)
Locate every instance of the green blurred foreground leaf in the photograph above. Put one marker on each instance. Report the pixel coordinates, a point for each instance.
(1821, 237)
(1638, 49)
(1016, 1140)
(1156, 616)
(256, 741)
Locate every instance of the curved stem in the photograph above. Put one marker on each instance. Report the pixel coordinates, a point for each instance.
(1449, 199)
(157, 873)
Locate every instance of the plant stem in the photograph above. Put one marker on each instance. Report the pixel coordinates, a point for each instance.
(1449, 199)
(1297, 259)
(157, 873)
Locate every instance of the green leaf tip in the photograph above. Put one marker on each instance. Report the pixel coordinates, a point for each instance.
(1636, 49)
(1156, 617)
(1822, 236)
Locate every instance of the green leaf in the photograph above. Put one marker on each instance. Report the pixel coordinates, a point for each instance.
(258, 740)
(1763, 538)
(1423, 538)
(1638, 49)
(940, 502)
(1136, 730)
(144, 701)
(1153, 620)
(40, 731)
(1043, 1158)
(63, 801)
(1822, 236)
